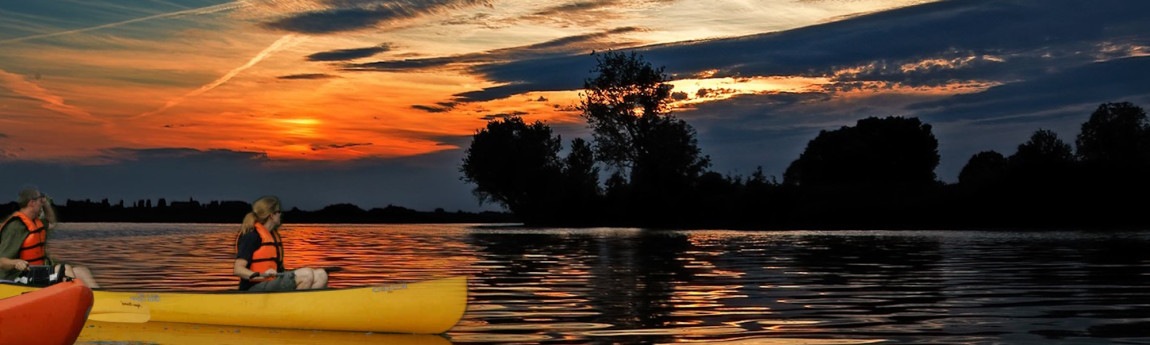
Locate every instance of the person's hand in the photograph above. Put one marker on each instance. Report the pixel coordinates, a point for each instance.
(271, 272)
(21, 265)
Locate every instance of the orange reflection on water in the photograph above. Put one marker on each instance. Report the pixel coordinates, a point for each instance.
(373, 254)
(96, 332)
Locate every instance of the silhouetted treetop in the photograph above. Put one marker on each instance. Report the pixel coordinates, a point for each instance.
(1043, 151)
(514, 164)
(625, 88)
(1116, 137)
(984, 168)
(876, 151)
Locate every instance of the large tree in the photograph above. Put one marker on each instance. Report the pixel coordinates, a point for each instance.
(626, 106)
(516, 165)
(625, 89)
(1115, 142)
(875, 152)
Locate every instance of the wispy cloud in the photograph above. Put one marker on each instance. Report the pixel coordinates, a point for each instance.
(348, 54)
(308, 76)
(362, 17)
(321, 147)
(195, 11)
(48, 100)
(563, 46)
(277, 45)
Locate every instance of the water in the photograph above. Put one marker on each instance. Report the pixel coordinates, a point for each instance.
(611, 285)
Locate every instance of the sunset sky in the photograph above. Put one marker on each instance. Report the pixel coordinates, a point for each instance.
(373, 102)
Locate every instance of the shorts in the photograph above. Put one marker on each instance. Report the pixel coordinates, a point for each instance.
(41, 275)
(284, 281)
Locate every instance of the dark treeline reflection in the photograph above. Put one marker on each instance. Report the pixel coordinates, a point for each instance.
(879, 173)
(905, 286)
(627, 281)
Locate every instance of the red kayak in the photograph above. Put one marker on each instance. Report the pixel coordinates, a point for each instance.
(52, 315)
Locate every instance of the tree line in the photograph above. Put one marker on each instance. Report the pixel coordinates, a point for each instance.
(193, 211)
(878, 173)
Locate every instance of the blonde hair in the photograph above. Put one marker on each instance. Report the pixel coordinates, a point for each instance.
(261, 210)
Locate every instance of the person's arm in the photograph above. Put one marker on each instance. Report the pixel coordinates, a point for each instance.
(10, 241)
(7, 264)
(49, 214)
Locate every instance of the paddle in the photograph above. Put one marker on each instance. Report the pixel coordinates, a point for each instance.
(112, 310)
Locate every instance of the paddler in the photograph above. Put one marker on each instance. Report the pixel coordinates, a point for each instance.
(24, 245)
(260, 255)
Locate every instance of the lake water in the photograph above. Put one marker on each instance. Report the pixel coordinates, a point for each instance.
(631, 286)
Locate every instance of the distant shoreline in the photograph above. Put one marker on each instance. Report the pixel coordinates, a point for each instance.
(232, 212)
(224, 212)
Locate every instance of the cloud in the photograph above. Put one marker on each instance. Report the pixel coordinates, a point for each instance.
(503, 115)
(308, 76)
(1089, 85)
(275, 46)
(348, 54)
(588, 13)
(364, 16)
(195, 11)
(431, 109)
(47, 99)
(1007, 41)
(321, 147)
(564, 46)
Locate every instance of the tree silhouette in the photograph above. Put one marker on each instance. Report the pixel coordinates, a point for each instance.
(1115, 142)
(625, 105)
(876, 152)
(624, 90)
(1114, 151)
(581, 183)
(1041, 181)
(516, 165)
(1044, 159)
(984, 169)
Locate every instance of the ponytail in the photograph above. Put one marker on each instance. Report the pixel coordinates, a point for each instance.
(249, 223)
(261, 210)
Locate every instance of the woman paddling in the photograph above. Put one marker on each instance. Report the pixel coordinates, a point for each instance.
(260, 255)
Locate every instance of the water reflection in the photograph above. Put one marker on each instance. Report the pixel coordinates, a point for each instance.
(108, 333)
(601, 286)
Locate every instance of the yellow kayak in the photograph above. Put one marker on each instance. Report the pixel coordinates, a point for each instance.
(96, 332)
(427, 307)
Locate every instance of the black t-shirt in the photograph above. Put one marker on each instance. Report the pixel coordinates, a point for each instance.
(245, 249)
(248, 243)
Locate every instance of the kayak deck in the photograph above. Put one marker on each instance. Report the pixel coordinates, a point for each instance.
(426, 307)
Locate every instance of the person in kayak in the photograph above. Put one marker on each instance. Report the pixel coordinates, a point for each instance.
(260, 254)
(24, 245)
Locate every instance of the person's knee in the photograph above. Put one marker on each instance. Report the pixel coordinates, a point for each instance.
(304, 276)
(320, 279)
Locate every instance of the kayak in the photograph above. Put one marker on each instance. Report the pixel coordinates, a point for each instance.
(167, 333)
(427, 307)
(52, 315)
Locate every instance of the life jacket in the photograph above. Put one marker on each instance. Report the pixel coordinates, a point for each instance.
(269, 255)
(32, 250)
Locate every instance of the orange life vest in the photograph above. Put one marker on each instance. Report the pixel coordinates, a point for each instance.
(268, 255)
(32, 250)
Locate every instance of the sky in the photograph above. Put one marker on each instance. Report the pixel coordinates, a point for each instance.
(374, 102)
